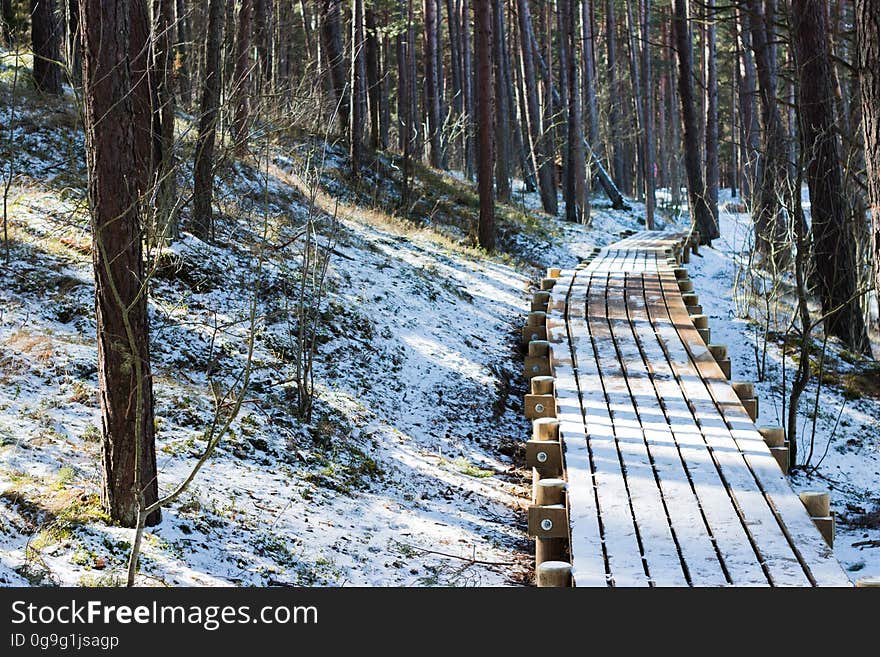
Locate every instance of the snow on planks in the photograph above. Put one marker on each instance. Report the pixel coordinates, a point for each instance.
(669, 481)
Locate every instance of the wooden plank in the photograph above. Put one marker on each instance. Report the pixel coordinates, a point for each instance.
(807, 543)
(730, 537)
(778, 558)
(587, 550)
(632, 332)
(621, 540)
(658, 542)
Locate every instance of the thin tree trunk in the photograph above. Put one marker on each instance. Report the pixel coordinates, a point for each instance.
(617, 157)
(183, 47)
(124, 379)
(164, 12)
(575, 191)
(770, 228)
(7, 20)
(485, 124)
(540, 146)
(373, 88)
(358, 83)
(331, 39)
(203, 167)
(242, 76)
(711, 117)
(468, 88)
(700, 213)
(46, 43)
(502, 118)
(432, 95)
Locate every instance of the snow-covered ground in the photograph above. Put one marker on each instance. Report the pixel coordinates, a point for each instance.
(845, 445)
(410, 471)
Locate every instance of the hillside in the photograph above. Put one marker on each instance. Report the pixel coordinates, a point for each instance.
(410, 470)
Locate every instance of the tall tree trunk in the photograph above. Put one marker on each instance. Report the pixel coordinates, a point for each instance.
(541, 149)
(485, 124)
(867, 19)
(124, 378)
(575, 192)
(647, 93)
(203, 166)
(331, 40)
(73, 47)
(164, 18)
(614, 129)
(770, 227)
(182, 51)
(242, 76)
(701, 216)
(502, 118)
(751, 156)
(374, 91)
(834, 247)
(404, 104)
(7, 21)
(263, 39)
(468, 88)
(358, 84)
(588, 76)
(711, 117)
(432, 94)
(46, 43)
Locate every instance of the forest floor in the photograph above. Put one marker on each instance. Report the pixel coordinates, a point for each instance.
(410, 469)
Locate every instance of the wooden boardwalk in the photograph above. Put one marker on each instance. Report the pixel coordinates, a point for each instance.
(661, 477)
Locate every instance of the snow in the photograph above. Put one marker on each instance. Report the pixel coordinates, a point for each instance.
(418, 417)
(847, 441)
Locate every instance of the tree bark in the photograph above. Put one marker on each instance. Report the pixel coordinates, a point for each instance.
(203, 166)
(617, 162)
(700, 213)
(834, 248)
(432, 94)
(242, 76)
(164, 12)
(124, 378)
(770, 227)
(46, 44)
(647, 94)
(711, 117)
(485, 124)
(358, 84)
(867, 19)
(503, 157)
(575, 192)
(7, 21)
(374, 91)
(331, 39)
(540, 147)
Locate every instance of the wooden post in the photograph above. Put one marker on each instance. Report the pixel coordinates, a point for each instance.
(542, 385)
(540, 300)
(818, 505)
(719, 353)
(681, 273)
(868, 582)
(554, 272)
(548, 283)
(685, 285)
(545, 428)
(773, 436)
(745, 390)
(554, 574)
